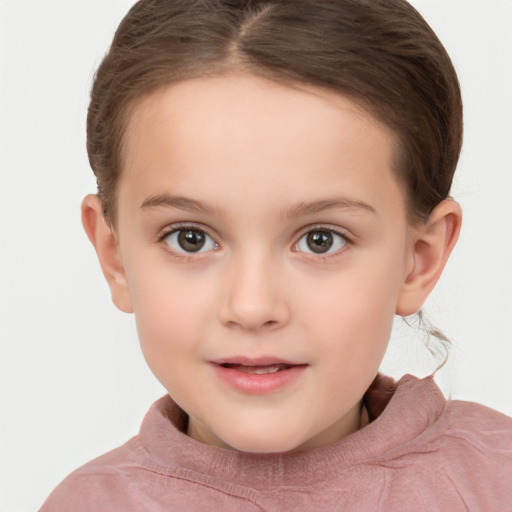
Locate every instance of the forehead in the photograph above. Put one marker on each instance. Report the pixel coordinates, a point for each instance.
(218, 136)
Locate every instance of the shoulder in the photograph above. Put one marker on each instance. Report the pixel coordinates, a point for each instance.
(146, 473)
(473, 448)
(457, 453)
(103, 480)
(472, 424)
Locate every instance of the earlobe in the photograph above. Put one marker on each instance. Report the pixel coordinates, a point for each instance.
(105, 243)
(432, 244)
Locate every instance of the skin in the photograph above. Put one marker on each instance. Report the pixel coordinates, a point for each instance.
(257, 166)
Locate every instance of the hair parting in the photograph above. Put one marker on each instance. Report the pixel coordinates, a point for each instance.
(380, 53)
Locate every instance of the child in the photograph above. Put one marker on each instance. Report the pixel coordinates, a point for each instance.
(273, 188)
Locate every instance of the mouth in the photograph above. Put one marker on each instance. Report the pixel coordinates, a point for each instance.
(259, 369)
(258, 376)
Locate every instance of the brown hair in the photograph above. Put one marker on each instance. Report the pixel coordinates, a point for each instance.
(380, 53)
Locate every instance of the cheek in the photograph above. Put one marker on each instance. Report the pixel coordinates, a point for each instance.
(170, 325)
(356, 312)
(171, 311)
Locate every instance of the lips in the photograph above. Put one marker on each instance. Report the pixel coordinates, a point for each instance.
(258, 376)
(259, 370)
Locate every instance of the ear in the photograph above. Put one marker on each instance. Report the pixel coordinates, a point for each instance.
(432, 244)
(105, 242)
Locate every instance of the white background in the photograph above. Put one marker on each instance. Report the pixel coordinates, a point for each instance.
(74, 383)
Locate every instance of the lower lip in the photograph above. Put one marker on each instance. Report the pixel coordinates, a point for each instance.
(258, 383)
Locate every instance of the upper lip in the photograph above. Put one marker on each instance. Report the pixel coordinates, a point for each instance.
(255, 361)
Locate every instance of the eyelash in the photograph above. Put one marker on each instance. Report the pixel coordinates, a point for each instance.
(328, 229)
(177, 228)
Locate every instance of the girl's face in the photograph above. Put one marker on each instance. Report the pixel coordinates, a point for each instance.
(265, 244)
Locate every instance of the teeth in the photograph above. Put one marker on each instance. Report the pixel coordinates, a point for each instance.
(258, 370)
(264, 369)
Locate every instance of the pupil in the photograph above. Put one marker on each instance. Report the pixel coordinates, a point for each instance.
(191, 241)
(320, 241)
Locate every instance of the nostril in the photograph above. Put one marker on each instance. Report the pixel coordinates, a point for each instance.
(254, 326)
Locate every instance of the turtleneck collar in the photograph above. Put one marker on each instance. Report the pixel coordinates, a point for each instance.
(398, 413)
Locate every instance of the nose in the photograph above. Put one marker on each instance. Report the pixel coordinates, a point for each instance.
(254, 297)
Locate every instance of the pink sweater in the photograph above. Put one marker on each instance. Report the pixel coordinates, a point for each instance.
(421, 453)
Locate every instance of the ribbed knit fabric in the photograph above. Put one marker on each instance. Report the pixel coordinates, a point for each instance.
(421, 453)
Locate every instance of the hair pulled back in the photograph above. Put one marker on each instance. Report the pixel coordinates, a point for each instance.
(380, 53)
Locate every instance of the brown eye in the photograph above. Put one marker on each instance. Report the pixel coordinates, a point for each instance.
(321, 241)
(190, 241)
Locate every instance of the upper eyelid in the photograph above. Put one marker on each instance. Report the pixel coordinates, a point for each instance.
(343, 232)
(182, 226)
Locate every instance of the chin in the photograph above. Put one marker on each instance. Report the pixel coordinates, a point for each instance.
(267, 445)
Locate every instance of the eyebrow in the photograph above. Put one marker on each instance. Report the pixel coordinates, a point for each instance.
(299, 210)
(307, 208)
(180, 202)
